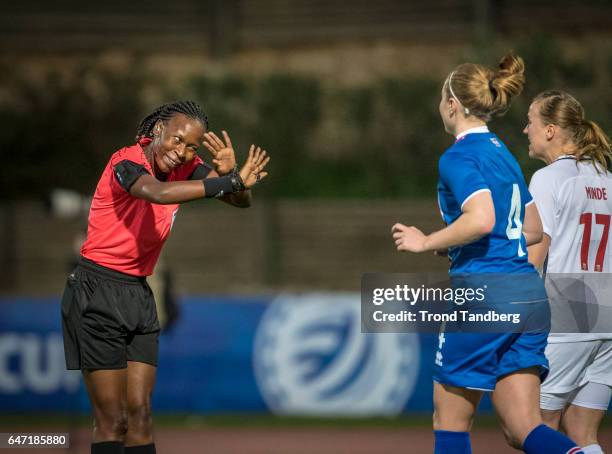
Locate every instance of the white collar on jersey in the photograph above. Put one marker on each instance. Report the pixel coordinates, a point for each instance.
(565, 156)
(476, 130)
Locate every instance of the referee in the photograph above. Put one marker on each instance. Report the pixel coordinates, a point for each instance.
(109, 318)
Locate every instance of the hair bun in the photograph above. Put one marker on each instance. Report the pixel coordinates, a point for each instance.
(492, 87)
(508, 81)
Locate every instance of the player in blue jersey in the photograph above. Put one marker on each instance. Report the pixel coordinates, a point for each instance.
(490, 221)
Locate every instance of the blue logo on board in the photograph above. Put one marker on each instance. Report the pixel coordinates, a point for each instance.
(311, 357)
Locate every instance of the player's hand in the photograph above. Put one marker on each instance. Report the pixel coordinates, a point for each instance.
(252, 170)
(224, 158)
(408, 239)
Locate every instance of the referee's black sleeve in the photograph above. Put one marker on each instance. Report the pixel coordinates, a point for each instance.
(200, 172)
(127, 172)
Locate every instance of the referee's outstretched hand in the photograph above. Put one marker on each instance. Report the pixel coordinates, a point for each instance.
(252, 170)
(222, 153)
(408, 239)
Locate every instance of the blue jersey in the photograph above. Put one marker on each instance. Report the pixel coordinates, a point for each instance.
(468, 356)
(481, 162)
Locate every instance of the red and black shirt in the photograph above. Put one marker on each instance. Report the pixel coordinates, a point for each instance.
(126, 233)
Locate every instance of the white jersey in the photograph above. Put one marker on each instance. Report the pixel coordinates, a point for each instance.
(575, 204)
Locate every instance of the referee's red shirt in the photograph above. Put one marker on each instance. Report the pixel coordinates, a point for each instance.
(125, 233)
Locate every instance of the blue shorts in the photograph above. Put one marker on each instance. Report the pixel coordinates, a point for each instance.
(475, 355)
(478, 360)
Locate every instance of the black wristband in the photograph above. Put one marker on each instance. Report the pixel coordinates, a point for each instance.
(218, 187)
(237, 182)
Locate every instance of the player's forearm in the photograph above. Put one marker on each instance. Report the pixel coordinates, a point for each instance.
(469, 227)
(537, 252)
(532, 225)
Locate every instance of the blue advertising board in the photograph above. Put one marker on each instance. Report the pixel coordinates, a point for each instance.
(289, 354)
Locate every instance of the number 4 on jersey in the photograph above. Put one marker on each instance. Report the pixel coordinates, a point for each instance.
(514, 218)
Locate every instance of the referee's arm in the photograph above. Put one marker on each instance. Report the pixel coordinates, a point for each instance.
(240, 199)
(141, 184)
(151, 189)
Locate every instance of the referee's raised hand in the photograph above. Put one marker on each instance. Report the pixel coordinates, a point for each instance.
(222, 153)
(252, 170)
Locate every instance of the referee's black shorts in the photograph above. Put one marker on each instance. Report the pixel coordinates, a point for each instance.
(108, 318)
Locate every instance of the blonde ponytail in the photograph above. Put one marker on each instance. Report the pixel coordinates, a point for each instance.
(508, 82)
(483, 92)
(593, 143)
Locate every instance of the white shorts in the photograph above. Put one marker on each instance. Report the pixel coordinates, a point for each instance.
(592, 395)
(572, 366)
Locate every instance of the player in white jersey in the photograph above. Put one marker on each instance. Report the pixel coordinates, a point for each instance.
(573, 194)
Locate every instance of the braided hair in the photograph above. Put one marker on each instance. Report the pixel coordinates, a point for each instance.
(166, 112)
